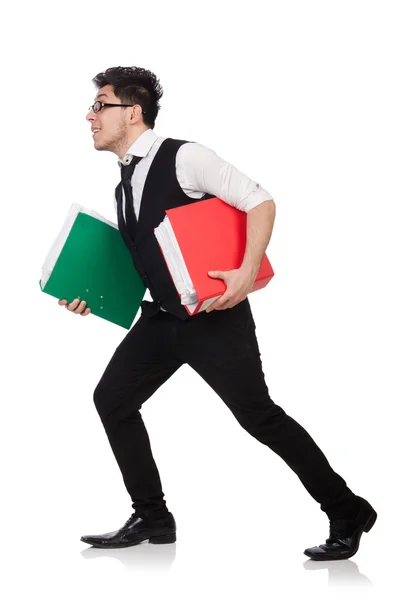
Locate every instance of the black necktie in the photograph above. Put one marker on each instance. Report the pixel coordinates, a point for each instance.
(128, 226)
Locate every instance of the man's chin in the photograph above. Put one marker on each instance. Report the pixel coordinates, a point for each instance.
(99, 145)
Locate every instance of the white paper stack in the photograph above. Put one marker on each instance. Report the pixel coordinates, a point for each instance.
(176, 264)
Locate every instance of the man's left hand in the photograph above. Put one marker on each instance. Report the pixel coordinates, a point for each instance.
(239, 284)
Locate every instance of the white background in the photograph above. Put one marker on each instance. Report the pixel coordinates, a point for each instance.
(300, 96)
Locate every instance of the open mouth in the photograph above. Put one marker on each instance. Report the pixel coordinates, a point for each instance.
(95, 132)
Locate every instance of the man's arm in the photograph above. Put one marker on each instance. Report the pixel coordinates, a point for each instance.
(200, 169)
(260, 221)
(239, 282)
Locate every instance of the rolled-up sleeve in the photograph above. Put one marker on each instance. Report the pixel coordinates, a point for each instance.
(200, 169)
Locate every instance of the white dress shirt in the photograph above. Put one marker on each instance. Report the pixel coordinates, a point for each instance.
(198, 170)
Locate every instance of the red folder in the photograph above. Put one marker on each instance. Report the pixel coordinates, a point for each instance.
(212, 236)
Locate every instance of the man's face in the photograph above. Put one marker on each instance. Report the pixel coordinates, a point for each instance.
(110, 120)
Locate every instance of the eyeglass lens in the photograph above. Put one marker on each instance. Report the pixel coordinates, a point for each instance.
(96, 107)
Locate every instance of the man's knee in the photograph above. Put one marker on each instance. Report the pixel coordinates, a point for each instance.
(262, 423)
(114, 404)
(101, 400)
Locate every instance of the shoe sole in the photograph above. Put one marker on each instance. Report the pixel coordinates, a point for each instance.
(367, 527)
(169, 538)
(371, 521)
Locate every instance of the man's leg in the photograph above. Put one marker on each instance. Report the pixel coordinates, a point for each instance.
(140, 365)
(225, 353)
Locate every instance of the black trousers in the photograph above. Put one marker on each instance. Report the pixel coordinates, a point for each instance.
(221, 346)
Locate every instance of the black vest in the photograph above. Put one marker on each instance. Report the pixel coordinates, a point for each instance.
(161, 191)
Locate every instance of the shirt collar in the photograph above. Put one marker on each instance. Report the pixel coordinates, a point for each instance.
(140, 147)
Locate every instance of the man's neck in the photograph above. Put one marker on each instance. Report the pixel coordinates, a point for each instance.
(131, 139)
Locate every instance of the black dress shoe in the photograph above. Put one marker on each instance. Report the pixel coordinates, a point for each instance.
(134, 531)
(344, 535)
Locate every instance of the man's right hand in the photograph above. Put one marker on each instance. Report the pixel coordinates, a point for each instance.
(76, 306)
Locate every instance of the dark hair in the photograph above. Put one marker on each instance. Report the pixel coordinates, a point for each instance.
(134, 85)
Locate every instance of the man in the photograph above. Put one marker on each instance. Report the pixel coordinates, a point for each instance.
(159, 173)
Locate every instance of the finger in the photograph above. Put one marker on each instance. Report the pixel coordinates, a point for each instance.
(86, 312)
(222, 302)
(215, 306)
(62, 302)
(81, 307)
(229, 304)
(211, 308)
(74, 304)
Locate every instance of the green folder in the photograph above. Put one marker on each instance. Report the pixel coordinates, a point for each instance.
(89, 260)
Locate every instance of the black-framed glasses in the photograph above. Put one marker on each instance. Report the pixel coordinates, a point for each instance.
(98, 105)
